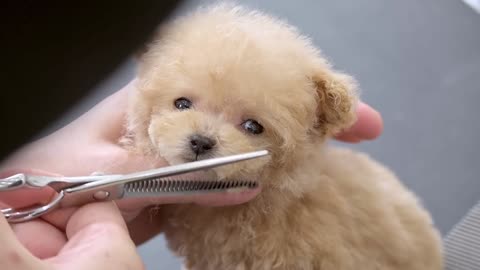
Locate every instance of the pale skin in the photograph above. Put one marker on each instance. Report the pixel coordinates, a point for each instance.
(101, 235)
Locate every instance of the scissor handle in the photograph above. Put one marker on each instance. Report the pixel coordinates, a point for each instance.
(14, 216)
(75, 191)
(12, 182)
(63, 199)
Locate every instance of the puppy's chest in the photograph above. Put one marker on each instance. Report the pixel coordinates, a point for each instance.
(234, 227)
(210, 238)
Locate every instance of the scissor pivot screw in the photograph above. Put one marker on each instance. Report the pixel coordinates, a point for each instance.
(101, 195)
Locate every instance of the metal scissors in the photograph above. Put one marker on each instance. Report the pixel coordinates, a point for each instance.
(80, 190)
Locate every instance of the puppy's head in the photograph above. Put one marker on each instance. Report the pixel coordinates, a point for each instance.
(226, 81)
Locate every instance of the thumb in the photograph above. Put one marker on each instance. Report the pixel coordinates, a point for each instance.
(13, 254)
(97, 239)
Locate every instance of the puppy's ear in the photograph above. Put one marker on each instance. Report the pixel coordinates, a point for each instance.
(336, 101)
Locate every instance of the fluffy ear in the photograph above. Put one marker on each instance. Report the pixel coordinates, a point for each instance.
(336, 101)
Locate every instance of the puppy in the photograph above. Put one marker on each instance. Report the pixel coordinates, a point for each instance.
(225, 80)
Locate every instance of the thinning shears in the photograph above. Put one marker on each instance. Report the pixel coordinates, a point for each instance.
(80, 190)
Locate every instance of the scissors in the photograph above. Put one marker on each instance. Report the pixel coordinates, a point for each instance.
(80, 190)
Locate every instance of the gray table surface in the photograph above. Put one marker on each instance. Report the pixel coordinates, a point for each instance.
(418, 63)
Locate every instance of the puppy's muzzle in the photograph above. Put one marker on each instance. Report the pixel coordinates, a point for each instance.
(200, 144)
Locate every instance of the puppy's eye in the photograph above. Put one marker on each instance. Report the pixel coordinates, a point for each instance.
(183, 103)
(252, 126)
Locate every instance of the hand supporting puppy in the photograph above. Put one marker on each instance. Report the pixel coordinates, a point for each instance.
(91, 144)
(95, 237)
(368, 126)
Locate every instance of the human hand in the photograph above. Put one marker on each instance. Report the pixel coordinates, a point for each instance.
(96, 238)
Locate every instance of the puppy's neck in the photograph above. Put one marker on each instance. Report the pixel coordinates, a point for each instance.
(292, 179)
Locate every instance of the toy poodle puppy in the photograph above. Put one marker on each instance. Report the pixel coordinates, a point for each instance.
(225, 80)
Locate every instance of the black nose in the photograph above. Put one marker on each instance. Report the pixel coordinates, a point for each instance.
(201, 144)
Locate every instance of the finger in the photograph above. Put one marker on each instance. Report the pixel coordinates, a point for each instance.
(146, 225)
(349, 138)
(93, 214)
(59, 217)
(24, 198)
(42, 239)
(369, 125)
(12, 254)
(97, 239)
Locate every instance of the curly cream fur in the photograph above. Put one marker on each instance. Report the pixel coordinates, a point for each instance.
(320, 207)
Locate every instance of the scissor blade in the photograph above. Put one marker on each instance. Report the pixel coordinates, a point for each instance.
(168, 186)
(12, 182)
(169, 171)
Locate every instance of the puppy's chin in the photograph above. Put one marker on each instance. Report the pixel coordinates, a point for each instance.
(184, 158)
(235, 172)
(191, 157)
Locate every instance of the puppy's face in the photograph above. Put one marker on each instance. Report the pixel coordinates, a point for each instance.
(213, 89)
